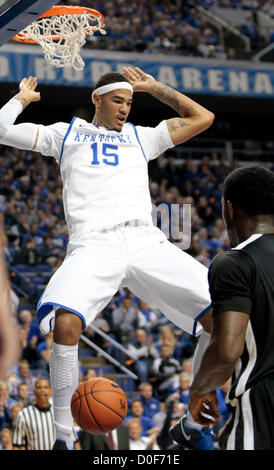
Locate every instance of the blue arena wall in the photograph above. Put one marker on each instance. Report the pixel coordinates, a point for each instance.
(190, 75)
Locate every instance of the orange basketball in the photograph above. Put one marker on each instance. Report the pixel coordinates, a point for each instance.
(98, 405)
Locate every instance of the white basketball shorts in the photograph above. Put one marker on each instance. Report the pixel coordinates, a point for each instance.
(140, 258)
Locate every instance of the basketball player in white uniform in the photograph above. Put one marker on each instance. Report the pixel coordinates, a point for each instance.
(112, 240)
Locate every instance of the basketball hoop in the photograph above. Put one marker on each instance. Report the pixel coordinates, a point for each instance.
(61, 32)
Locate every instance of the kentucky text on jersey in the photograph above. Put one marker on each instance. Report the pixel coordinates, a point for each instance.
(114, 139)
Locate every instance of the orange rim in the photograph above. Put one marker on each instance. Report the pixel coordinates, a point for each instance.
(71, 10)
(62, 10)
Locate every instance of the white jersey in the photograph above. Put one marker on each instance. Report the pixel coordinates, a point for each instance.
(104, 173)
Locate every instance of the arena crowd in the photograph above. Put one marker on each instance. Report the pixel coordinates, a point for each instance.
(176, 27)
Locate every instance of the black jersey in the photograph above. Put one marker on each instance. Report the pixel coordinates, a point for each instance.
(242, 280)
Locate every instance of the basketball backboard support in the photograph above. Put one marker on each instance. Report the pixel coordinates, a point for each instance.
(15, 15)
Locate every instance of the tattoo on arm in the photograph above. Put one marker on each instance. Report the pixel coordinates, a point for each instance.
(171, 97)
(175, 124)
(167, 95)
(23, 101)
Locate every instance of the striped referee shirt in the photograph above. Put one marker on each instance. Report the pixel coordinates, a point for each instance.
(34, 428)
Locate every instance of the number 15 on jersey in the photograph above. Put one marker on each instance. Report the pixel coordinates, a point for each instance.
(108, 154)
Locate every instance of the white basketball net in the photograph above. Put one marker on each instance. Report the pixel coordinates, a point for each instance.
(71, 31)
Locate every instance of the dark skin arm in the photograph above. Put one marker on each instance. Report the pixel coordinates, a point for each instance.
(218, 363)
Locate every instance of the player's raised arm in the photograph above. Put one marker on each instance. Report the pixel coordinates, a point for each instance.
(27, 93)
(22, 136)
(193, 119)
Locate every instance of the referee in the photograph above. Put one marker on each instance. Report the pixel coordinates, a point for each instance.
(34, 427)
(242, 291)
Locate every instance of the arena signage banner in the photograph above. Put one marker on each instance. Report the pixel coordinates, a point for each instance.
(191, 75)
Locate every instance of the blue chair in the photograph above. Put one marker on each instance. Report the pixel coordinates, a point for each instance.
(24, 270)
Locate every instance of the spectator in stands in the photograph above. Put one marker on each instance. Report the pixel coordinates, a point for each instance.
(5, 393)
(143, 349)
(222, 170)
(187, 366)
(219, 224)
(150, 404)
(205, 211)
(165, 372)
(89, 374)
(193, 18)
(182, 393)
(166, 337)
(202, 238)
(190, 171)
(249, 29)
(43, 350)
(25, 184)
(137, 411)
(29, 254)
(30, 325)
(124, 318)
(146, 317)
(215, 243)
(24, 375)
(15, 409)
(49, 252)
(22, 395)
(10, 217)
(172, 171)
(33, 233)
(185, 345)
(268, 8)
(137, 441)
(28, 348)
(5, 404)
(203, 257)
(6, 439)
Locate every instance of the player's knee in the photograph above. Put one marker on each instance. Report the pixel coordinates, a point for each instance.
(68, 327)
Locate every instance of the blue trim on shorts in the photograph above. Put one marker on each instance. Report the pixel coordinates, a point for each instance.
(40, 299)
(138, 140)
(44, 310)
(39, 303)
(198, 318)
(65, 138)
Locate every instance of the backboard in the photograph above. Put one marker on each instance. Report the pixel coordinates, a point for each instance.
(15, 15)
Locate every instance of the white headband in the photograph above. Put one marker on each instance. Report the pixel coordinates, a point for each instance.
(112, 86)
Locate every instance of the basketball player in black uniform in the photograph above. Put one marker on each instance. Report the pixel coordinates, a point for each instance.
(241, 284)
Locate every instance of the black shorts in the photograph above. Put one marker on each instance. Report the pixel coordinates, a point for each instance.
(251, 426)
